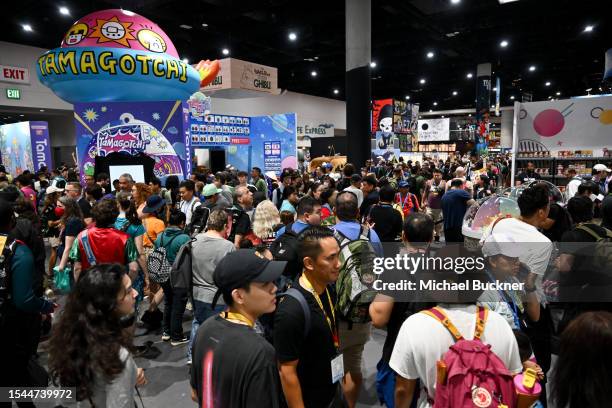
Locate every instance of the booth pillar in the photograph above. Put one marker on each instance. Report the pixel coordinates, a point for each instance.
(358, 57)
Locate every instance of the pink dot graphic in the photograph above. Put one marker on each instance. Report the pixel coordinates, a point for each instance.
(549, 122)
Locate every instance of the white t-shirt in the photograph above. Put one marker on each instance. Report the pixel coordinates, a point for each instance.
(572, 187)
(536, 248)
(422, 341)
(187, 208)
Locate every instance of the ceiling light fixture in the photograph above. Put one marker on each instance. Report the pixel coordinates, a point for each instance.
(42, 110)
(186, 26)
(506, 1)
(225, 51)
(532, 68)
(469, 115)
(64, 11)
(204, 25)
(431, 110)
(547, 83)
(373, 64)
(503, 44)
(292, 36)
(455, 1)
(454, 93)
(558, 93)
(469, 75)
(430, 54)
(336, 91)
(313, 73)
(422, 81)
(26, 27)
(495, 89)
(588, 29)
(512, 97)
(22, 115)
(435, 104)
(407, 97)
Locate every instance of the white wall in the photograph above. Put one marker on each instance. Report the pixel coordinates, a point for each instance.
(308, 108)
(34, 95)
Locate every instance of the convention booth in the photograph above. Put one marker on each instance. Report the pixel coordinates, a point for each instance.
(137, 109)
(25, 146)
(556, 134)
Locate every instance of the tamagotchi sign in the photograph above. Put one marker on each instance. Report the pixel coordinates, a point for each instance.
(117, 55)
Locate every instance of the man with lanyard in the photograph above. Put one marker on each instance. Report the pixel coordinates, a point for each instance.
(189, 202)
(308, 352)
(407, 201)
(432, 201)
(233, 366)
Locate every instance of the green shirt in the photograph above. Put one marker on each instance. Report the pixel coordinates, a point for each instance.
(261, 185)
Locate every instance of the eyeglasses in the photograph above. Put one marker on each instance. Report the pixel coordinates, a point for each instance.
(69, 191)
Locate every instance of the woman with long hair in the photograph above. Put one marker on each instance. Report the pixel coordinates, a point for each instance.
(582, 375)
(71, 225)
(50, 221)
(266, 221)
(91, 343)
(315, 191)
(128, 222)
(140, 194)
(328, 202)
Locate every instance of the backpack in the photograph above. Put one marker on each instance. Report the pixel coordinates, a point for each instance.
(285, 248)
(354, 284)
(199, 221)
(236, 214)
(181, 274)
(602, 256)
(267, 320)
(474, 376)
(157, 263)
(6, 306)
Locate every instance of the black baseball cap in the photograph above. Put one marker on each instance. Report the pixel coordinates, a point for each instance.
(244, 266)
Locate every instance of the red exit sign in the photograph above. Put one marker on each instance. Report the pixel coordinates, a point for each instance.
(14, 74)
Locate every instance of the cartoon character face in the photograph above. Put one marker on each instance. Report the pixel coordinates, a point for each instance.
(386, 124)
(76, 34)
(151, 41)
(113, 30)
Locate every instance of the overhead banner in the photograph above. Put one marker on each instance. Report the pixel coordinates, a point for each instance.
(315, 129)
(238, 74)
(580, 123)
(41, 146)
(434, 130)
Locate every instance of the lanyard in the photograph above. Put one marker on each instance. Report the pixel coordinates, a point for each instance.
(238, 317)
(403, 201)
(512, 304)
(332, 327)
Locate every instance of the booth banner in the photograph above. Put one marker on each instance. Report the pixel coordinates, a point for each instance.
(266, 130)
(238, 74)
(568, 124)
(219, 130)
(154, 129)
(314, 129)
(272, 157)
(41, 145)
(434, 130)
(25, 146)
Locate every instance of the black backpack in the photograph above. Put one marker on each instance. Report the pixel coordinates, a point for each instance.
(199, 220)
(236, 214)
(285, 248)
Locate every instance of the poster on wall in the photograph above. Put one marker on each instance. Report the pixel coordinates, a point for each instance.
(219, 130)
(279, 128)
(566, 125)
(434, 130)
(155, 129)
(272, 157)
(25, 146)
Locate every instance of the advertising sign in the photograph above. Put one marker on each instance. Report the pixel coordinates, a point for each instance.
(272, 156)
(315, 129)
(238, 74)
(25, 146)
(41, 146)
(434, 130)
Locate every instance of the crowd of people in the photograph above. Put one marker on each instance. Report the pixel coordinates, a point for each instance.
(266, 267)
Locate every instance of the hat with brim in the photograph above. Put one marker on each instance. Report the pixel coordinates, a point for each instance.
(210, 190)
(53, 189)
(154, 203)
(242, 267)
(403, 184)
(502, 244)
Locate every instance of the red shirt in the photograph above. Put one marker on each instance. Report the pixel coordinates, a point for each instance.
(107, 244)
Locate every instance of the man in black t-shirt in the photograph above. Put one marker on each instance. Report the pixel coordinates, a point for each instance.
(311, 367)
(387, 220)
(233, 366)
(370, 194)
(241, 222)
(527, 175)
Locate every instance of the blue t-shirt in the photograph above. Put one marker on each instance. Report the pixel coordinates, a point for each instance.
(350, 229)
(454, 207)
(297, 227)
(287, 206)
(132, 230)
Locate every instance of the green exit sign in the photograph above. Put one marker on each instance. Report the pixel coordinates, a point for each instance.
(12, 93)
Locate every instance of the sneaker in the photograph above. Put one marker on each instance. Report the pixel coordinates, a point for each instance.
(165, 336)
(188, 362)
(178, 342)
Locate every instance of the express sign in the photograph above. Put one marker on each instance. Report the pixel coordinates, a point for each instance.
(14, 74)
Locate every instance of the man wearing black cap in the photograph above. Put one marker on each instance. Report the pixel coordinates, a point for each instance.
(233, 366)
(311, 366)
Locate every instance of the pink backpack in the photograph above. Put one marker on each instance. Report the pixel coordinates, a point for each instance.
(473, 375)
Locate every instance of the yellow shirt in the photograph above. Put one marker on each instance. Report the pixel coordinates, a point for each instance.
(153, 226)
